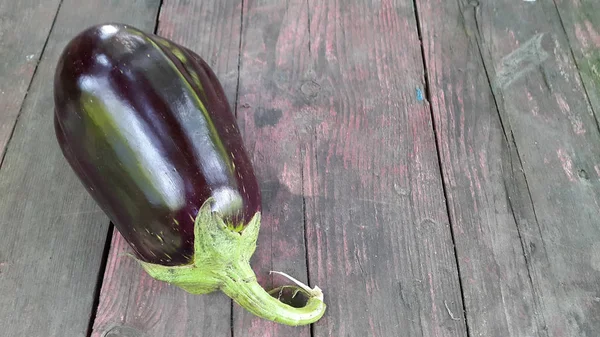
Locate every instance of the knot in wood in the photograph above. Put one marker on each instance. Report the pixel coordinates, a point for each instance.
(310, 89)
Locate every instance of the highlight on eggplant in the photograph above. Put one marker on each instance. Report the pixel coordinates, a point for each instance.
(146, 127)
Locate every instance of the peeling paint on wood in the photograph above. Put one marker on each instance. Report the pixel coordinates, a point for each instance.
(525, 58)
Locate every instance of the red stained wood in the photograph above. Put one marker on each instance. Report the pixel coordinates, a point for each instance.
(24, 28)
(518, 164)
(131, 302)
(273, 62)
(53, 234)
(377, 229)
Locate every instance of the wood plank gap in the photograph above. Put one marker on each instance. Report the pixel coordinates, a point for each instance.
(304, 216)
(519, 232)
(231, 323)
(235, 112)
(518, 228)
(12, 131)
(507, 136)
(100, 279)
(237, 94)
(157, 20)
(512, 144)
(575, 61)
(427, 91)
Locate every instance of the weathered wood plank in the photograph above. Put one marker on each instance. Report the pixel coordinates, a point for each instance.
(130, 300)
(537, 210)
(53, 234)
(581, 21)
(554, 130)
(378, 231)
(478, 161)
(134, 304)
(274, 60)
(24, 28)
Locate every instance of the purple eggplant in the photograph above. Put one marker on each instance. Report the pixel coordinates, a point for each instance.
(146, 127)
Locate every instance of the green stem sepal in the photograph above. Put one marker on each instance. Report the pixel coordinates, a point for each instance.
(222, 261)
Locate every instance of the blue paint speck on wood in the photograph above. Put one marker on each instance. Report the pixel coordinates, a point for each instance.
(419, 95)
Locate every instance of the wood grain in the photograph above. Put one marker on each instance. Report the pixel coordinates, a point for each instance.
(134, 304)
(581, 21)
(480, 166)
(378, 231)
(53, 234)
(24, 28)
(520, 167)
(130, 299)
(274, 52)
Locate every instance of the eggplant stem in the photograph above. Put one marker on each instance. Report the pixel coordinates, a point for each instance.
(222, 261)
(241, 285)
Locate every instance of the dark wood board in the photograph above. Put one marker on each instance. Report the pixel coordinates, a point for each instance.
(24, 28)
(53, 234)
(273, 66)
(478, 163)
(378, 233)
(131, 301)
(520, 167)
(581, 21)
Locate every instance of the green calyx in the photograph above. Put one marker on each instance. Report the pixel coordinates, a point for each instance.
(222, 261)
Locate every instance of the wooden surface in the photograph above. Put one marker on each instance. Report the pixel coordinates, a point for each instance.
(53, 234)
(378, 234)
(555, 200)
(268, 111)
(482, 174)
(433, 166)
(24, 29)
(581, 21)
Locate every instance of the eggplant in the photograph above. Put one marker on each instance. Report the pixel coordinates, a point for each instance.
(146, 127)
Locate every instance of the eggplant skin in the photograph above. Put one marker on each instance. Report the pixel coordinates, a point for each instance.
(145, 125)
